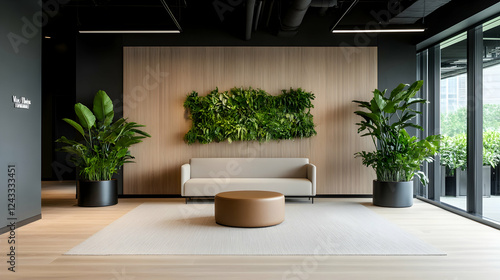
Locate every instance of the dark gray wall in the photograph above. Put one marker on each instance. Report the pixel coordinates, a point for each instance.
(99, 66)
(20, 75)
(58, 100)
(397, 61)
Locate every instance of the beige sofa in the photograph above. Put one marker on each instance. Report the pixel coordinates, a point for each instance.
(205, 177)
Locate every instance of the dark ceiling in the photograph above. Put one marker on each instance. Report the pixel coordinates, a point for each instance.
(278, 17)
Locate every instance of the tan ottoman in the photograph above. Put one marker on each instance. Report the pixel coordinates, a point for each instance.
(249, 208)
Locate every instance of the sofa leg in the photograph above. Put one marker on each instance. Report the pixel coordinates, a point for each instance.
(312, 200)
(186, 200)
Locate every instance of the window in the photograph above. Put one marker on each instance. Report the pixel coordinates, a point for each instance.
(491, 119)
(446, 68)
(453, 121)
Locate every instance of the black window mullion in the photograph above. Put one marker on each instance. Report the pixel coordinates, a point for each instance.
(434, 126)
(422, 120)
(474, 121)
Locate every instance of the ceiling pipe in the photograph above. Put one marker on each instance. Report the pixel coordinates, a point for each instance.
(248, 27)
(294, 16)
(323, 3)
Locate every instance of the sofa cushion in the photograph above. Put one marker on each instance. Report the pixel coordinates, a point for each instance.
(249, 167)
(213, 186)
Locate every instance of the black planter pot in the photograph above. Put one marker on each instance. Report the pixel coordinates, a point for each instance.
(97, 193)
(393, 194)
(451, 186)
(495, 180)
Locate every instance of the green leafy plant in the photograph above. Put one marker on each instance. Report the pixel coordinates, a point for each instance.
(453, 151)
(454, 123)
(454, 145)
(105, 145)
(249, 114)
(397, 156)
(491, 148)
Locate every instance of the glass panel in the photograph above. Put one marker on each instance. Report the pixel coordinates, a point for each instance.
(491, 119)
(453, 121)
(422, 73)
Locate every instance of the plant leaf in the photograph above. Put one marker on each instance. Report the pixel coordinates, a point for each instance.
(103, 107)
(414, 88)
(75, 125)
(85, 116)
(397, 90)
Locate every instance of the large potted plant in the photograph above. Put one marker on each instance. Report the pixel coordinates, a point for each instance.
(102, 152)
(453, 160)
(454, 157)
(398, 156)
(491, 158)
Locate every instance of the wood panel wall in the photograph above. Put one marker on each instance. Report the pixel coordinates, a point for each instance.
(158, 79)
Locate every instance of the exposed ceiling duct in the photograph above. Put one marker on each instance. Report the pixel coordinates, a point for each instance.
(418, 10)
(324, 5)
(294, 15)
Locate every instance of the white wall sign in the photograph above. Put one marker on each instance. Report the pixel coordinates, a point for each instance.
(21, 103)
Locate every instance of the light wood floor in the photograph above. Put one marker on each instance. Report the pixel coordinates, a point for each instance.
(473, 250)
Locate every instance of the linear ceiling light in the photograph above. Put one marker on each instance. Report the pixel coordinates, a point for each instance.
(129, 31)
(378, 30)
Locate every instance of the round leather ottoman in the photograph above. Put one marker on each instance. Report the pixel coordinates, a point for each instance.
(249, 208)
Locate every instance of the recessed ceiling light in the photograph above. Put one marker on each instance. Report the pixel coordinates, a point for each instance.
(47, 37)
(129, 31)
(379, 30)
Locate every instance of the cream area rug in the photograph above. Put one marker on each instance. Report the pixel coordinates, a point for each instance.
(322, 228)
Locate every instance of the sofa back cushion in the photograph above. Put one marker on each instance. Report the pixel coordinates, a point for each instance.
(248, 167)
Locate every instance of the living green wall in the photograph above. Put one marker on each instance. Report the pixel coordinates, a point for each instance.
(249, 114)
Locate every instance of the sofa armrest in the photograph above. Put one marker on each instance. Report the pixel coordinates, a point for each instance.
(185, 175)
(311, 175)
